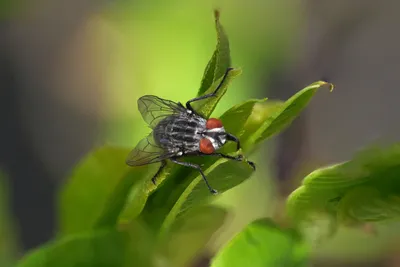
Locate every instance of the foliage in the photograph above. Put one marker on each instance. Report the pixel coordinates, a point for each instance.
(8, 246)
(263, 243)
(363, 190)
(113, 215)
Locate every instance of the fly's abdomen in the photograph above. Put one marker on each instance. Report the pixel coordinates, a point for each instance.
(160, 133)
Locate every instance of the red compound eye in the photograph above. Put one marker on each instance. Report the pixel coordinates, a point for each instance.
(206, 146)
(213, 123)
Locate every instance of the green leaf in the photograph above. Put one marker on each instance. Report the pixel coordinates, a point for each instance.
(364, 189)
(261, 112)
(263, 244)
(367, 204)
(244, 119)
(8, 244)
(284, 115)
(96, 248)
(128, 197)
(206, 107)
(132, 246)
(223, 175)
(98, 189)
(140, 250)
(188, 236)
(136, 199)
(220, 60)
(83, 197)
(235, 118)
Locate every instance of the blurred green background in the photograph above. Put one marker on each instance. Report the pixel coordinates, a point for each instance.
(71, 73)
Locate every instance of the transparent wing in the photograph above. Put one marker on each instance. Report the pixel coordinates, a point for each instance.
(147, 152)
(154, 109)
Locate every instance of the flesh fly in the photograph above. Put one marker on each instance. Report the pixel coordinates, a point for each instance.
(179, 131)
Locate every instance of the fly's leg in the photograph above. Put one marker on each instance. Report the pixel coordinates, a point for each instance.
(197, 167)
(237, 158)
(233, 138)
(154, 179)
(188, 106)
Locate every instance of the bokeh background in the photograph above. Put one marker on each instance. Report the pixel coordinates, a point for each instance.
(71, 72)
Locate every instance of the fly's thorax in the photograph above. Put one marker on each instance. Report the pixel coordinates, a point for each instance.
(217, 136)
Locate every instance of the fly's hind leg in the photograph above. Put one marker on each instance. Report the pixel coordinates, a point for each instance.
(154, 179)
(197, 167)
(188, 106)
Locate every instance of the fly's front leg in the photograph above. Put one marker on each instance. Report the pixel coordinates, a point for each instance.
(197, 167)
(188, 106)
(154, 179)
(233, 138)
(237, 158)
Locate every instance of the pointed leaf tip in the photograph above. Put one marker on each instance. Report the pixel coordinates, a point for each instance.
(324, 83)
(331, 87)
(220, 60)
(216, 14)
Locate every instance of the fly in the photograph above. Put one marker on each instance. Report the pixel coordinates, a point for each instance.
(180, 131)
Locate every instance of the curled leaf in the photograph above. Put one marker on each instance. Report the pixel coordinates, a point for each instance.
(362, 190)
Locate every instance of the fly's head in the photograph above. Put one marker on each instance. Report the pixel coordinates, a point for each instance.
(213, 136)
